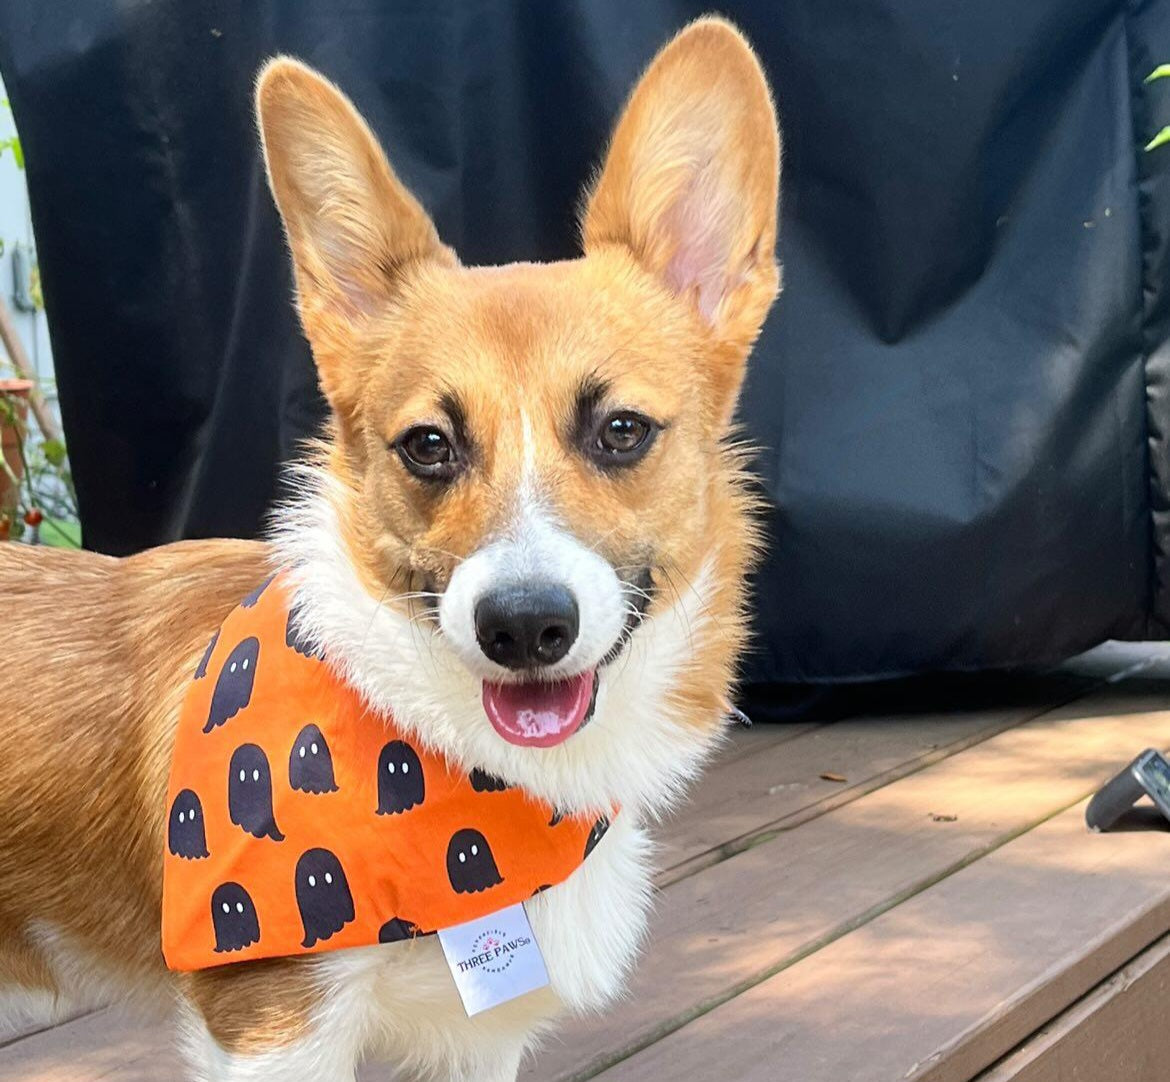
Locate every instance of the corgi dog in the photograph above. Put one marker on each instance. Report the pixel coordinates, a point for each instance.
(528, 504)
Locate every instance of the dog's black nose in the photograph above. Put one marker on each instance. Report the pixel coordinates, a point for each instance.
(524, 626)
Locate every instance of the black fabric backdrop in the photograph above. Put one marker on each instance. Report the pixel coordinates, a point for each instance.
(963, 394)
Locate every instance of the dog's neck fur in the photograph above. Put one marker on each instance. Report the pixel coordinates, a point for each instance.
(638, 753)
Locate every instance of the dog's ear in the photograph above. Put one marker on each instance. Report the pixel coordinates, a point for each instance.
(352, 227)
(691, 182)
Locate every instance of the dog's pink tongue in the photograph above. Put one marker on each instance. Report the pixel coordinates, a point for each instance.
(538, 715)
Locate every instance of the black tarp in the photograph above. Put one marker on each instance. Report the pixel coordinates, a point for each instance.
(963, 395)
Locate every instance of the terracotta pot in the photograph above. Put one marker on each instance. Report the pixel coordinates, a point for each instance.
(13, 390)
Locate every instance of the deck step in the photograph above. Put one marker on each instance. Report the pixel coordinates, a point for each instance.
(1117, 1032)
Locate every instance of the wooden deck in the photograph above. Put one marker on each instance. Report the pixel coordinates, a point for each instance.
(940, 915)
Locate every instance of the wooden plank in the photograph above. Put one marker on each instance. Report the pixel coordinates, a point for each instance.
(1117, 1032)
(720, 932)
(742, 741)
(939, 987)
(741, 801)
(111, 1045)
(105, 1046)
(22, 1015)
(738, 803)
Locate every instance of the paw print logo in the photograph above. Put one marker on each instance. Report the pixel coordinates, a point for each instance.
(493, 952)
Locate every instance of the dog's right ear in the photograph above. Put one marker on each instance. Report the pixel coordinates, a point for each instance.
(352, 226)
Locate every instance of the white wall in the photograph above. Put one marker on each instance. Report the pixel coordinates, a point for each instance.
(16, 228)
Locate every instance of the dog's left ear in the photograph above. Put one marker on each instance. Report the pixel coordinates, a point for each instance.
(690, 187)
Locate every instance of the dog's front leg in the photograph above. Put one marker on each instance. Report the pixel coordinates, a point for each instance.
(494, 1059)
(311, 1055)
(314, 1055)
(269, 1021)
(503, 1065)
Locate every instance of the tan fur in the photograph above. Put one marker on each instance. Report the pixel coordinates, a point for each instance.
(678, 274)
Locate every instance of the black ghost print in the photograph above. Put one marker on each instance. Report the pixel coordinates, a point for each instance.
(556, 818)
(201, 668)
(233, 689)
(396, 930)
(470, 864)
(250, 793)
(400, 778)
(233, 916)
(296, 639)
(254, 596)
(310, 766)
(323, 895)
(596, 834)
(186, 836)
(483, 782)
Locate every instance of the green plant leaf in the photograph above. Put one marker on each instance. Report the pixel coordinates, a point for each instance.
(13, 143)
(61, 533)
(1162, 71)
(1161, 139)
(54, 452)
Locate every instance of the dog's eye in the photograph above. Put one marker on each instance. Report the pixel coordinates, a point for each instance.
(426, 452)
(624, 438)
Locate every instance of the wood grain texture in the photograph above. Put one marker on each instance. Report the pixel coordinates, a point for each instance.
(751, 797)
(937, 988)
(104, 1046)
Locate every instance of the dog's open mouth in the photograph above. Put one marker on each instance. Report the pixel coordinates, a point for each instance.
(540, 715)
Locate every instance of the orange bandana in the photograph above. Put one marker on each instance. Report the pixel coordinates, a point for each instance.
(301, 822)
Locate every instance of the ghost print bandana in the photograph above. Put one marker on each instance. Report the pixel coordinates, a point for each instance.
(300, 822)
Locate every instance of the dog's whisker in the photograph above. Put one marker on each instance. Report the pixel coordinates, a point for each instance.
(639, 591)
(416, 629)
(680, 606)
(704, 603)
(374, 616)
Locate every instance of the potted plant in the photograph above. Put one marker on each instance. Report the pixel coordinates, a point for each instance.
(14, 395)
(37, 499)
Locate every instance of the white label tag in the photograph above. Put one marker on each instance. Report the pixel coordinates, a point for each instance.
(494, 959)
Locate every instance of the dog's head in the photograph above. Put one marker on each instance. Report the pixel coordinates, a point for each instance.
(529, 535)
